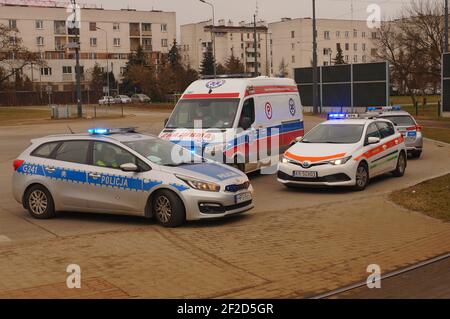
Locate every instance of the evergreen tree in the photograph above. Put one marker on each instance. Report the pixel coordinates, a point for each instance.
(283, 69)
(207, 65)
(97, 81)
(234, 65)
(339, 59)
(174, 55)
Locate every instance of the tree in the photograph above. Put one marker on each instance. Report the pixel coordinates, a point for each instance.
(97, 81)
(221, 69)
(14, 57)
(174, 56)
(234, 65)
(207, 65)
(339, 59)
(283, 69)
(413, 47)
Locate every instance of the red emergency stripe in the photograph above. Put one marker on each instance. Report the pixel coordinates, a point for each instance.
(211, 96)
(379, 149)
(271, 89)
(313, 159)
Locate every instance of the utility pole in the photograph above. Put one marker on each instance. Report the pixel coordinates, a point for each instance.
(446, 27)
(315, 80)
(255, 44)
(77, 27)
(213, 35)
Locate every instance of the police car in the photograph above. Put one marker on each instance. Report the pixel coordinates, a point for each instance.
(406, 125)
(344, 151)
(119, 171)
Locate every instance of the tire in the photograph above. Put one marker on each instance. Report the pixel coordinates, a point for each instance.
(39, 202)
(168, 209)
(401, 166)
(416, 154)
(362, 177)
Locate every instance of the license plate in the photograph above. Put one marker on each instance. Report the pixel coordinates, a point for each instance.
(412, 134)
(305, 174)
(242, 198)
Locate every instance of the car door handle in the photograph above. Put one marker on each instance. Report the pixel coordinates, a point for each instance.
(50, 169)
(95, 175)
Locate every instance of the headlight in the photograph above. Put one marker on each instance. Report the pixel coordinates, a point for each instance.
(200, 185)
(285, 160)
(340, 161)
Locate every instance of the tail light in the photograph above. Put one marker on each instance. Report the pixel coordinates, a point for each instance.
(17, 163)
(418, 128)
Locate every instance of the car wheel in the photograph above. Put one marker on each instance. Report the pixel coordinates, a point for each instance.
(362, 177)
(401, 166)
(168, 209)
(39, 202)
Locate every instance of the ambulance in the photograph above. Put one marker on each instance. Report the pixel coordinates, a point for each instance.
(243, 122)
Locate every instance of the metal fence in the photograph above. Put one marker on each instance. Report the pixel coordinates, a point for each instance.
(30, 98)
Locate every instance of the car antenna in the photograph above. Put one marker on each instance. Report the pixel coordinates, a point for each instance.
(71, 132)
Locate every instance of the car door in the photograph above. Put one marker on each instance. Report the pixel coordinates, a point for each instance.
(372, 150)
(67, 170)
(250, 133)
(111, 189)
(387, 161)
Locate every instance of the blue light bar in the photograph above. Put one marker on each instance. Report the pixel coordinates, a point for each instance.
(98, 131)
(336, 116)
(384, 108)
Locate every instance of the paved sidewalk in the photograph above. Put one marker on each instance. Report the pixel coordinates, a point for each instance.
(293, 253)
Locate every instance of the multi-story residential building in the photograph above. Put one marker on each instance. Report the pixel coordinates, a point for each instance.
(229, 39)
(291, 43)
(107, 37)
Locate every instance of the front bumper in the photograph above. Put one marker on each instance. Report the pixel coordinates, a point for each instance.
(327, 174)
(211, 205)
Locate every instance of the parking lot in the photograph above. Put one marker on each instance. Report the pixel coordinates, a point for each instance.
(295, 243)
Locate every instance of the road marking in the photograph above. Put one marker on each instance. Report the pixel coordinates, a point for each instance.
(4, 239)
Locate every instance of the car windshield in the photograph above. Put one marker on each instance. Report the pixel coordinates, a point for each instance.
(214, 113)
(400, 120)
(335, 134)
(163, 152)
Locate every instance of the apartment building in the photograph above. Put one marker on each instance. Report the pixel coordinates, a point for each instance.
(229, 39)
(291, 43)
(107, 37)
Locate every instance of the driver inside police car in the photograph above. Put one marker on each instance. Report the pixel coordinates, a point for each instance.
(106, 156)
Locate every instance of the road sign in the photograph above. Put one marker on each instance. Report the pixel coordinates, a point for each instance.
(49, 89)
(105, 90)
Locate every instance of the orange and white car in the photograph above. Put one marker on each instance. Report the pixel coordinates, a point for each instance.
(344, 151)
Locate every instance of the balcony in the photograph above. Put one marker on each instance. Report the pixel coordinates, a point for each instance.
(135, 30)
(67, 77)
(147, 48)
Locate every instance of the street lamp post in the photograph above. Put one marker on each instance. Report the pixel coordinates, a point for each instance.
(107, 60)
(446, 27)
(213, 36)
(77, 26)
(315, 75)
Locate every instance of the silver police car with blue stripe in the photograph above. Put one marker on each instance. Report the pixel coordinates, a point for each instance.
(120, 171)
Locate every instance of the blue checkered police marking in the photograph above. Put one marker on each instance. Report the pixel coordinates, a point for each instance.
(105, 180)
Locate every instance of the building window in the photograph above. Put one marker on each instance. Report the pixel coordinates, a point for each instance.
(146, 27)
(347, 34)
(117, 42)
(13, 24)
(164, 28)
(60, 27)
(293, 46)
(364, 58)
(347, 47)
(355, 58)
(374, 35)
(292, 34)
(46, 71)
(92, 26)
(355, 34)
(123, 70)
(346, 58)
(164, 43)
(338, 34)
(293, 59)
(39, 24)
(116, 26)
(326, 35)
(363, 34)
(355, 46)
(364, 47)
(147, 43)
(92, 56)
(67, 70)
(93, 42)
(40, 41)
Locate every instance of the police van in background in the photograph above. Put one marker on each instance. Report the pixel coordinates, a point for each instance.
(244, 122)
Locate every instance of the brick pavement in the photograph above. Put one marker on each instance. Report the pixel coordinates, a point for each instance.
(291, 253)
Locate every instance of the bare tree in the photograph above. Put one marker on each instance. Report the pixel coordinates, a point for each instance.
(283, 69)
(14, 57)
(413, 45)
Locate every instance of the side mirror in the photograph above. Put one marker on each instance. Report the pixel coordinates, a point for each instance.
(245, 123)
(129, 167)
(165, 122)
(373, 140)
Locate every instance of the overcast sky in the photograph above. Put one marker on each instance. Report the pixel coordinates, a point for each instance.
(270, 10)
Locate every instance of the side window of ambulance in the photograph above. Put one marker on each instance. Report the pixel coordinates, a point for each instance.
(45, 150)
(73, 152)
(386, 129)
(372, 131)
(248, 114)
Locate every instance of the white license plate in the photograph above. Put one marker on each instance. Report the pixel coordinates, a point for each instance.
(305, 174)
(242, 198)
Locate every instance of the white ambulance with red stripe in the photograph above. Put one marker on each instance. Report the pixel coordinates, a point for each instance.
(344, 151)
(244, 122)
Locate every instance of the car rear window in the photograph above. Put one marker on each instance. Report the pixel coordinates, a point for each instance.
(73, 151)
(45, 150)
(401, 120)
